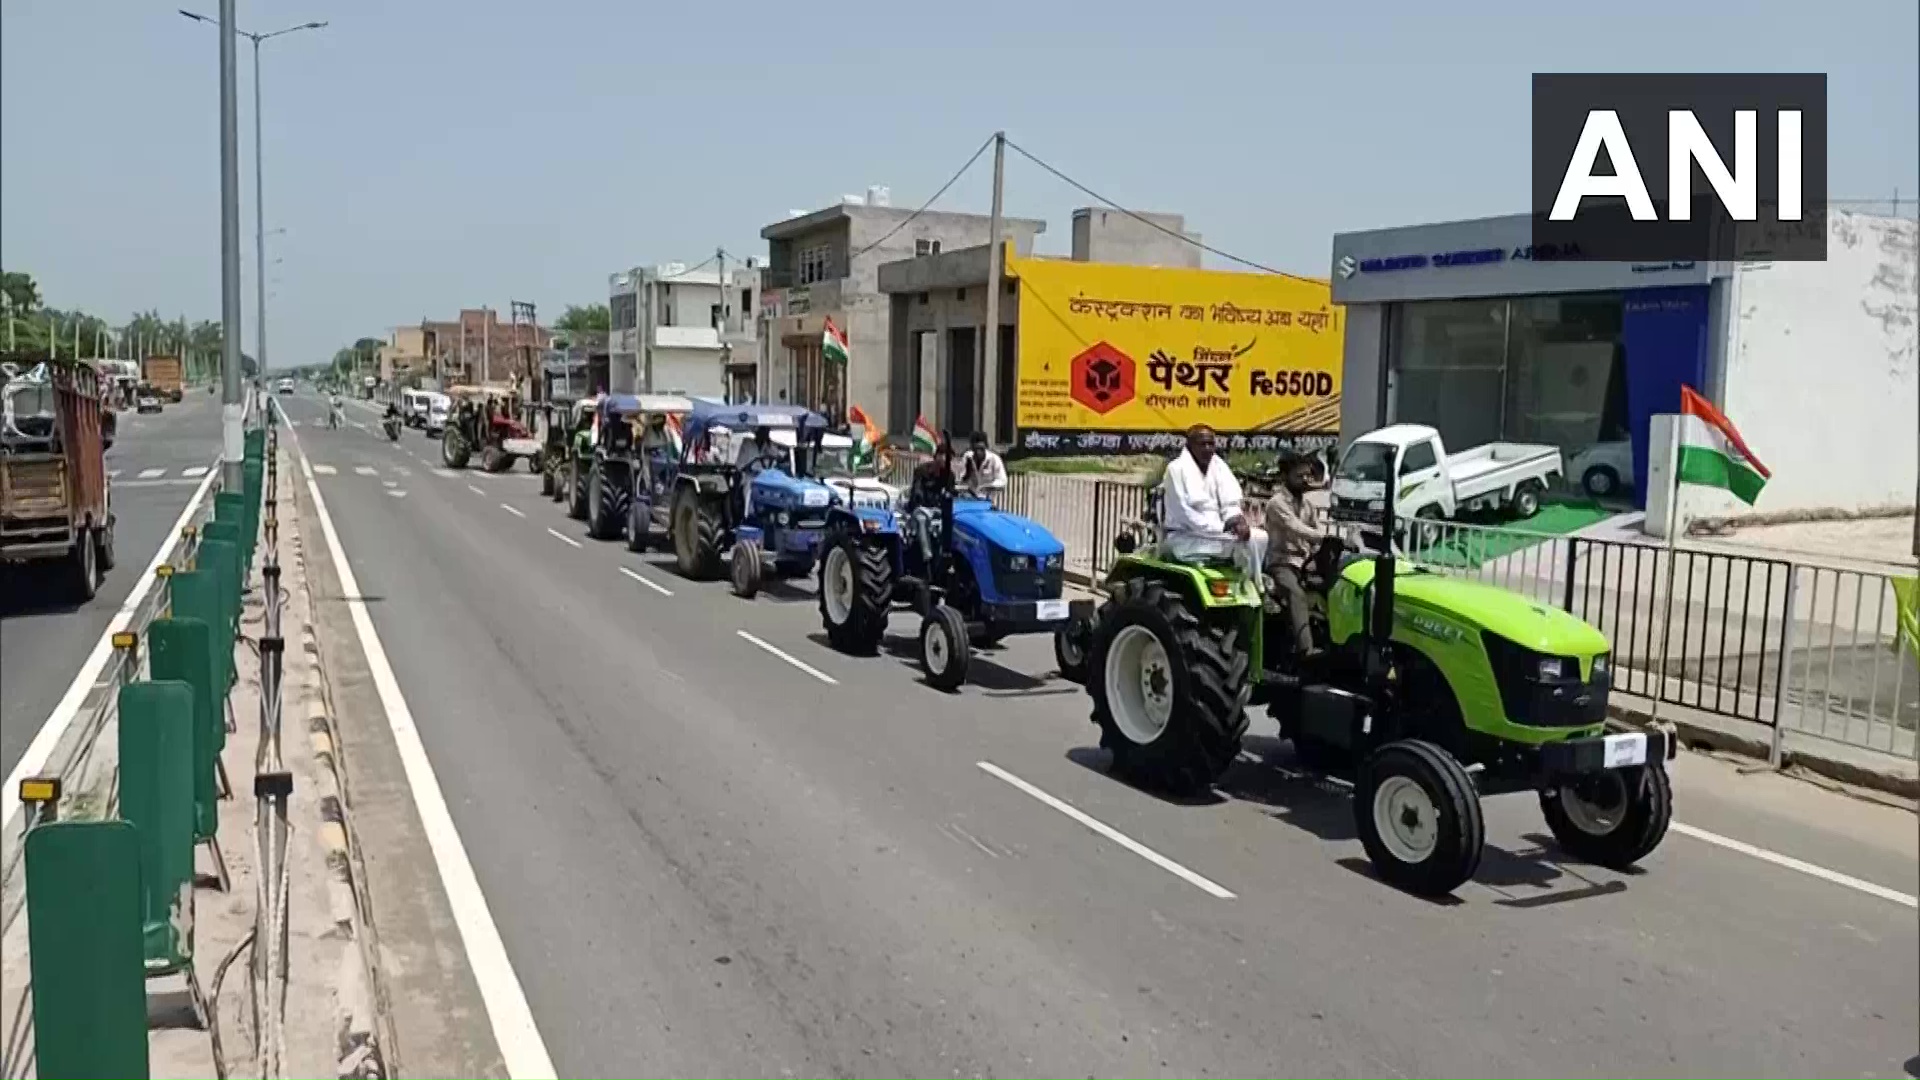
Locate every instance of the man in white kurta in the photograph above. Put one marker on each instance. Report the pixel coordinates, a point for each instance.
(1201, 511)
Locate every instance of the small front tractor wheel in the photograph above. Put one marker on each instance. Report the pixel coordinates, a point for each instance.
(576, 492)
(1070, 650)
(546, 483)
(745, 569)
(944, 649)
(1614, 818)
(495, 460)
(1169, 689)
(638, 520)
(1419, 818)
(696, 534)
(856, 592)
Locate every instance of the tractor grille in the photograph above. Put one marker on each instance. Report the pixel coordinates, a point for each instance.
(1028, 584)
(1534, 699)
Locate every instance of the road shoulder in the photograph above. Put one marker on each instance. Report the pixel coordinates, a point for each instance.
(438, 1024)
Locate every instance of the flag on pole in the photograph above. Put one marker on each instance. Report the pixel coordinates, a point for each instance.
(1712, 453)
(833, 344)
(925, 439)
(871, 434)
(674, 440)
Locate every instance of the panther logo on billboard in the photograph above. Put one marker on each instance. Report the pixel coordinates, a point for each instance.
(1102, 378)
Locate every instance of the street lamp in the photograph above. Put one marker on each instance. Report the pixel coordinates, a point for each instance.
(259, 185)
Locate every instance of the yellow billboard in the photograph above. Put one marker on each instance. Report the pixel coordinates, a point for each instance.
(1125, 358)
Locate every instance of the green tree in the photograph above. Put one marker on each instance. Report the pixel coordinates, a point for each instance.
(592, 317)
(19, 294)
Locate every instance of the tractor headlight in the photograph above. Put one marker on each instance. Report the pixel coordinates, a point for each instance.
(1018, 563)
(1551, 667)
(1052, 562)
(1600, 665)
(780, 518)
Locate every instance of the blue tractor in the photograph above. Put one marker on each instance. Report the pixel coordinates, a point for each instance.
(767, 514)
(974, 574)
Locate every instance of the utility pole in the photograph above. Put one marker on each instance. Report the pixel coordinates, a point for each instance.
(720, 331)
(259, 226)
(231, 475)
(989, 375)
(486, 344)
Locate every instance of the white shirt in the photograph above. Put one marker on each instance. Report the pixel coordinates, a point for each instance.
(989, 474)
(749, 452)
(1199, 504)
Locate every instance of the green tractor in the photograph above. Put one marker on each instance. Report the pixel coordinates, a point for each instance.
(1425, 693)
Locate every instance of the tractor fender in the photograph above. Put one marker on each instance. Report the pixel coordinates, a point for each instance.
(749, 532)
(708, 484)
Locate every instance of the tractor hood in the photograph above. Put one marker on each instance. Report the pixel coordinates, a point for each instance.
(864, 492)
(1519, 619)
(777, 488)
(1009, 533)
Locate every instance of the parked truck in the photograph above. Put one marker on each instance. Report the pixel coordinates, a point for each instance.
(1430, 484)
(56, 504)
(164, 374)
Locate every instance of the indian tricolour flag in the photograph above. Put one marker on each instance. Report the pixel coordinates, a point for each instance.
(833, 344)
(870, 436)
(1712, 453)
(674, 440)
(925, 438)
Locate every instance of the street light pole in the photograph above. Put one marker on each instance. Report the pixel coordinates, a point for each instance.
(259, 225)
(232, 477)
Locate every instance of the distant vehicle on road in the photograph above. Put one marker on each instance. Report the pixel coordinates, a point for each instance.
(146, 399)
(438, 406)
(56, 503)
(165, 375)
(284, 386)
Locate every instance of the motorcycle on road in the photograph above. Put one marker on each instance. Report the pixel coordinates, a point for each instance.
(391, 425)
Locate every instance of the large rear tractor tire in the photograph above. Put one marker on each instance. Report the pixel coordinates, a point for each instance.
(453, 448)
(696, 534)
(1612, 819)
(1169, 689)
(856, 592)
(606, 506)
(1418, 816)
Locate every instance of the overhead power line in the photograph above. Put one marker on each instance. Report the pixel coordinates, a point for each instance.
(1149, 222)
(903, 222)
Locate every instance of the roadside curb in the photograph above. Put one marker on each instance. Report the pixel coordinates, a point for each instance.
(358, 1023)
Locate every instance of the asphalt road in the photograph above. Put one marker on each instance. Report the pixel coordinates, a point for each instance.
(713, 846)
(156, 463)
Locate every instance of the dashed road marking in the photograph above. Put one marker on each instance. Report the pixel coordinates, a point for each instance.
(197, 470)
(512, 511)
(476, 490)
(647, 581)
(1204, 884)
(1847, 881)
(789, 658)
(152, 474)
(398, 494)
(563, 537)
(365, 470)
(325, 470)
(447, 474)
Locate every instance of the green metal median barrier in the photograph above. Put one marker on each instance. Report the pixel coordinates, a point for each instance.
(84, 944)
(230, 508)
(196, 594)
(220, 553)
(157, 742)
(255, 448)
(254, 476)
(182, 649)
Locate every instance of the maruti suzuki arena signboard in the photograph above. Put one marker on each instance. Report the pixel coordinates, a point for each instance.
(1123, 359)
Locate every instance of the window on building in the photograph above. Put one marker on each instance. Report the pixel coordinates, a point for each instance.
(815, 264)
(714, 315)
(666, 305)
(960, 295)
(624, 307)
(746, 304)
(924, 246)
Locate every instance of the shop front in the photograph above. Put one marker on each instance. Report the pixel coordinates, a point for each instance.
(1467, 327)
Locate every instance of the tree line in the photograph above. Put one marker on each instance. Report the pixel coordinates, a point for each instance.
(35, 329)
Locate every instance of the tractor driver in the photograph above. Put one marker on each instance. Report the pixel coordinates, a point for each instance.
(656, 446)
(931, 481)
(755, 451)
(1293, 522)
(1200, 508)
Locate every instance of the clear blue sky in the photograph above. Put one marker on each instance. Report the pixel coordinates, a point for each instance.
(428, 154)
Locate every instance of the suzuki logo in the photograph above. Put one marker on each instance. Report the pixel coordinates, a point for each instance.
(1347, 266)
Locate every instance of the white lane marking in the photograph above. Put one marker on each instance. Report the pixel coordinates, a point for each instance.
(1836, 877)
(403, 470)
(41, 748)
(390, 483)
(476, 490)
(173, 482)
(1197, 881)
(524, 1051)
(293, 423)
(790, 658)
(448, 474)
(398, 494)
(365, 470)
(197, 470)
(647, 581)
(150, 474)
(512, 511)
(325, 470)
(111, 473)
(563, 537)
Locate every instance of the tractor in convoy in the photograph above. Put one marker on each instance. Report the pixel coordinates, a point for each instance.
(627, 453)
(555, 431)
(484, 421)
(1423, 692)
(570, 473)
(972, 573)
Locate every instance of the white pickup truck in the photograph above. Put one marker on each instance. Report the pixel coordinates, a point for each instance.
(1430, 483)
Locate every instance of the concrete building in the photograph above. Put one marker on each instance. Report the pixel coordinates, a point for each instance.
(476, 346)
(685, 330)
(1465, 326)
(937, 303)
(826, 265)
(404, 357)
